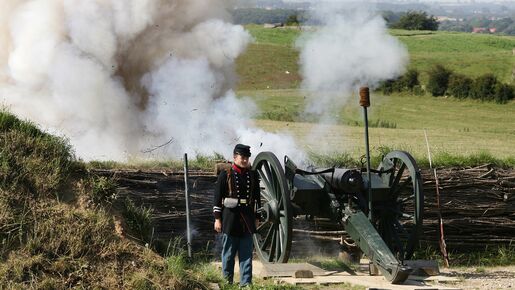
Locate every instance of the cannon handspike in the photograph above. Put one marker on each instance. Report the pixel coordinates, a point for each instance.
(372, 245)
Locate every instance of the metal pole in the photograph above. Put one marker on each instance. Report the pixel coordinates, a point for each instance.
(186, 190)
(364, 94)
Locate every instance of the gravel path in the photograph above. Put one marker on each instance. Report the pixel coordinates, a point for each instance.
(483, 278)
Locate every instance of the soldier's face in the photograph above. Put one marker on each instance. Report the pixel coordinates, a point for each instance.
(241, 161)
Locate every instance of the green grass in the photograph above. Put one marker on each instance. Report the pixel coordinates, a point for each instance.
(466, 53)
(460, 131)
(489, 257)
(264, 64)
(285, 36)
(268, 66)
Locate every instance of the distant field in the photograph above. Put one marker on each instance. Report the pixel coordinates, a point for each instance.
(470, 54)
(459, 127)
(269, 75)
(271, 62)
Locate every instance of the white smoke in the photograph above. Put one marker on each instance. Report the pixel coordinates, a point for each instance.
(129, 78)
(352, 48)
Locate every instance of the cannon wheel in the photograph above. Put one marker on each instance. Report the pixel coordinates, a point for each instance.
(399, 220)
(274, 232)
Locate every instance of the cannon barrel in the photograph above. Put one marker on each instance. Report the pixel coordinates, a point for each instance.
(348, 180)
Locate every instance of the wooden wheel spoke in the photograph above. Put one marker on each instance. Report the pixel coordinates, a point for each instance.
(261, 226)
(278, 245)
(265, 180)
(266, 195)
(268, 238)
(392, 175)
(273, 246)
(271, 181)
(398, 176)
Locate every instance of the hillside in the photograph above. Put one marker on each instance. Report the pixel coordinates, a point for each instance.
(273, 53)
(269, 75)
(58, 229)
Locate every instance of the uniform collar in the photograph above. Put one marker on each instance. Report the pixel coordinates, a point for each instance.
(238, 169)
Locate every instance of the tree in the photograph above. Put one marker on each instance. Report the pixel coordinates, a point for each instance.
(292, 20)
(484, 87)
(503, 93)
(416, 20)
(438, 80)
(459, 86)
(410, 79)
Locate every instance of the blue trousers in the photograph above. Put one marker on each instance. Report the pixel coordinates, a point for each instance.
(243, 246)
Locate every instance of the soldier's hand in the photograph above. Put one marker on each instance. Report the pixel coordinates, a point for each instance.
(257, 223)
(218, 225)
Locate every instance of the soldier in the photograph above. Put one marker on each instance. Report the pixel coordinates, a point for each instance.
(236, 198)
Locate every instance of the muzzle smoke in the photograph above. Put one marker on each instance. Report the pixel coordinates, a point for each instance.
(129, 78)
(352, 48)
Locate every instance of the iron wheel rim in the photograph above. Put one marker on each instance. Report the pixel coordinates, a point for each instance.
(274, 234)
(400, 219)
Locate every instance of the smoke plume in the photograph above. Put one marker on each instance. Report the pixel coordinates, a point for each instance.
(129, 78)
(352, 48)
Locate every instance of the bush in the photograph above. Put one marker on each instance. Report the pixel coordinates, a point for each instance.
(139, 220)
(438, 80)
(103, 189)
(388, 87)
(459, 86)
(409, 81)
(503, 93)
(483, 87)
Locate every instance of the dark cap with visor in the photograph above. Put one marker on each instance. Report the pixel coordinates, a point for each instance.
(243, 150)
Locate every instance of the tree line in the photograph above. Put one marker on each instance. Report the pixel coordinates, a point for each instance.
(409, 20)
(443, 81)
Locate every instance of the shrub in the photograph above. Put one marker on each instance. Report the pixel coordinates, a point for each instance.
(139, 220)
(483, 87)
(459, 86)
(503, 93)
(387, 87)
(410, 79)
(406, 82)
(438, 80)
(103, 189)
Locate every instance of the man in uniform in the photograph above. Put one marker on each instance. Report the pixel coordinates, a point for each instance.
(237, 196)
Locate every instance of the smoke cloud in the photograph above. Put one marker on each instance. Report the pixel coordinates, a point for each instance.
(352, 48)
(129, 78)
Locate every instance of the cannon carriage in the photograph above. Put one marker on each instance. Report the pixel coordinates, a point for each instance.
(388, 239)
(381, 209)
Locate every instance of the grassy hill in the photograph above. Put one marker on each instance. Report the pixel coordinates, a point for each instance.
(269, 75)
(273, 53)
(58, 229)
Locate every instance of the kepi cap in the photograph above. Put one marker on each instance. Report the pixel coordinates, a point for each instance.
(243, 150)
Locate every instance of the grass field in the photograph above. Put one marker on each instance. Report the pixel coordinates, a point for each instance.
(458, 127)
(267, 61)
(269, 75)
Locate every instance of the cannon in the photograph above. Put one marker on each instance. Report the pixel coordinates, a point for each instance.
(381, 209)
